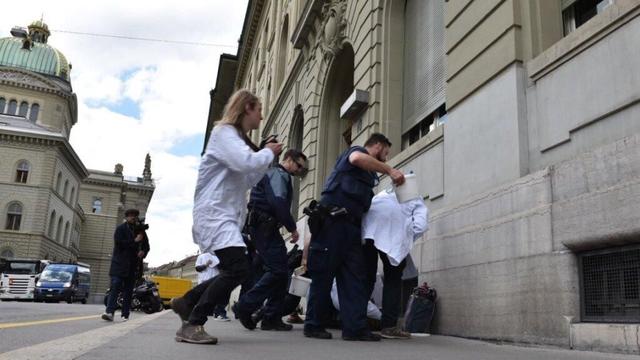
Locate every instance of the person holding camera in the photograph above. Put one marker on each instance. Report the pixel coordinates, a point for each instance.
(335, 250)
(130, 247)
(269, 210)
(229, 168)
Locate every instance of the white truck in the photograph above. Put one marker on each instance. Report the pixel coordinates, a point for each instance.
(18, 278)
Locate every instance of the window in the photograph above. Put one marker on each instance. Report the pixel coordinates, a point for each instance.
(59, 182)
(7, 253)
(424, 127)
(51, 224)
(14, 216)
(33, 115)
(22, 172)
(13, 107)
(282, 53)
(3, 103)
(73, 193)
(66, 233)
(577, 12)
(97, 206)
(295, 142)
(59, 230)
(24, 109)
(65, 190)
(424, 64)
(610, 285)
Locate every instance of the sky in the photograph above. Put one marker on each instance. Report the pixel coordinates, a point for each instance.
(137, 97)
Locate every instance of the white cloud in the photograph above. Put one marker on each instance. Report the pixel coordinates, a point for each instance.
(169, 83)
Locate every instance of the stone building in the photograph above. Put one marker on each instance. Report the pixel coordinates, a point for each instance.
(52, 206)
(520, 117)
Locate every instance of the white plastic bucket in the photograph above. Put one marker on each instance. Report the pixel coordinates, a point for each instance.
(408, 190)
(299, 285)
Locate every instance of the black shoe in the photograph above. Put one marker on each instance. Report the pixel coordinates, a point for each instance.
(245, 318)
(318, 334)
(275, 325)
(363, 337)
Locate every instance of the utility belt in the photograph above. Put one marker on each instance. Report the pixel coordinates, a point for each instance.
(318, 213)
(257, 217)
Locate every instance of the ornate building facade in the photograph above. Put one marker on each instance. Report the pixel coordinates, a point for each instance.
(519, 116)
(52, 206)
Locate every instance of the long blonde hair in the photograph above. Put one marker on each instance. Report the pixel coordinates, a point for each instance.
(234, 112)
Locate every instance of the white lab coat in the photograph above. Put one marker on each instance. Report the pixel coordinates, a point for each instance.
(228, 170)
(394, 226)
(211, 270)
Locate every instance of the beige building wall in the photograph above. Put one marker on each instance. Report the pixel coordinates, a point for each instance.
(527, 107)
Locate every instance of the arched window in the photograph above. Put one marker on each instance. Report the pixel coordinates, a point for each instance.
(66, 189)
(59, 230)
(59, 182)
(14, 216)
(97, 206)
(282, 53)
(7, 253)
(52, 224)
(33, 115)
(24, 109)
(73, 193)
(66, 233)
(22, 171)
(3, 103)
(13, 107)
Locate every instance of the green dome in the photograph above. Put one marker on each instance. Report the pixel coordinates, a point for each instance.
(37, 56)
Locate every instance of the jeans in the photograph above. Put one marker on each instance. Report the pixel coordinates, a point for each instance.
(234, 268)
(392, 283)
(336, 252)
(118, 284)
(272, 285)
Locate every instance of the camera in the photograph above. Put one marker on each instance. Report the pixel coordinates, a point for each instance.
(139, 226)
(269, 139)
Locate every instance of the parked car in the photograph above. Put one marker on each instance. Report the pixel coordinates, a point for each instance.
(64, 282)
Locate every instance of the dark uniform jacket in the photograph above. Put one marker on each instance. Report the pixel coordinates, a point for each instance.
(124, 259)
(272, 195)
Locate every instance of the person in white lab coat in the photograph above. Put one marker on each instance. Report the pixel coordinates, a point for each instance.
(230, 166)
(389, 229)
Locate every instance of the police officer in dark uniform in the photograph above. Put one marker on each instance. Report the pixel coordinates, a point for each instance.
(269, 209)
(336, 247)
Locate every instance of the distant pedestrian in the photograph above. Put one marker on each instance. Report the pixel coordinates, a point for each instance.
(230, 166)
(130, 247)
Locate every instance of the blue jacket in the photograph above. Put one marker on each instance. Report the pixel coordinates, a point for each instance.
(272, 195)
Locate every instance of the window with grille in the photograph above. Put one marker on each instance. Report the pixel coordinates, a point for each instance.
(610, 285)
(424, 68)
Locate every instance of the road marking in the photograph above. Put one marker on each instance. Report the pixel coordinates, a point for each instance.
(40, 322)
(74, 346)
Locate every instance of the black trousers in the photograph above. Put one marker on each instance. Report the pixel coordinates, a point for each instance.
(234, 268)
(392, 283)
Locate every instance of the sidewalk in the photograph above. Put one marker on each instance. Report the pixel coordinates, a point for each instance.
(152, 337)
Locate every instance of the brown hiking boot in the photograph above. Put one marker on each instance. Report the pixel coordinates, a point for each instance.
(195, 334)
(179, 306)
(394, 333)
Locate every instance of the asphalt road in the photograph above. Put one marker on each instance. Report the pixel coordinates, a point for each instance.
(24, 336)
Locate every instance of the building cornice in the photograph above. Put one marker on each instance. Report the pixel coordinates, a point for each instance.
(249, 31)
(47, 140)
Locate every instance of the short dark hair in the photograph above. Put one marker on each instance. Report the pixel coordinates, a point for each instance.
(134, 212)
(295, 155)
(377, 138)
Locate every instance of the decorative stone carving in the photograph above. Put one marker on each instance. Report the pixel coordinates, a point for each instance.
(24, 78)
(332, 32)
